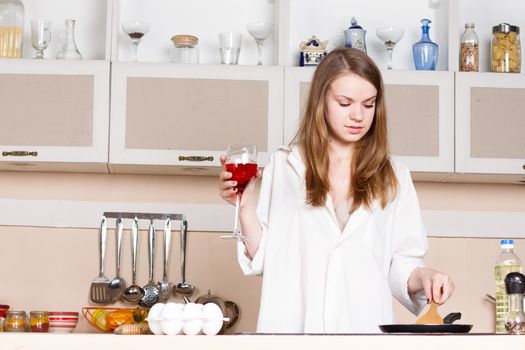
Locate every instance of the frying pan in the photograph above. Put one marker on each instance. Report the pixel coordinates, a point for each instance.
(447, 327)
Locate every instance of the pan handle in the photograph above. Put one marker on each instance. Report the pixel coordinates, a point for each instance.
(451, 317)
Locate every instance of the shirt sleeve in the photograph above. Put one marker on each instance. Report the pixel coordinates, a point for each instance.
(255, 266)
(409, 244)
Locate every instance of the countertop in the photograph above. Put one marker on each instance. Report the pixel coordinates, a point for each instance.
(48, 341)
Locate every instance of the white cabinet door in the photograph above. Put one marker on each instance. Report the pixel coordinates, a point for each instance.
(490, 123)
(420, 109)
(176, 118)
(55, 115)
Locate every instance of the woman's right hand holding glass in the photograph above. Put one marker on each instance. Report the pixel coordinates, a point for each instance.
(228, 191)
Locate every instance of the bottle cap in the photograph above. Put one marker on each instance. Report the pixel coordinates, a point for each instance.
(515, 283)
(469, 25)
(354, 24)
(505, 28)
(507, 243)
(185, 40)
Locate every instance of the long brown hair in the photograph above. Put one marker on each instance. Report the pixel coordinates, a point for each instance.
(372, 175)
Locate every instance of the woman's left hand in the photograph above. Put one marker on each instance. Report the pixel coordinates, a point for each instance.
(438, 287)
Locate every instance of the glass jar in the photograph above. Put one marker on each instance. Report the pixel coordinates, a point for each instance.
(185, 49)
(39, 321)
(11, 28)
(505, 49)
(469, 52)
(15, 321)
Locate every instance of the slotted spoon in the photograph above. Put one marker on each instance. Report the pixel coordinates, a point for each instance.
(99, 292)
(431, 316)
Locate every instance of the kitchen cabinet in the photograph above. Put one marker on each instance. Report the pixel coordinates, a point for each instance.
(55, 115)
(489, 126)
(171, 118)
(420, 108)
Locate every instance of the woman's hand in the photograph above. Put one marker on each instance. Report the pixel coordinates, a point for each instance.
(438, 287)
(228, 191)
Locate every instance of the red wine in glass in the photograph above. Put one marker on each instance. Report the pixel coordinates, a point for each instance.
(242, 173)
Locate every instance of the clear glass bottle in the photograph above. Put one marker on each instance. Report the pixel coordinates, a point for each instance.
(69, 46)
(469, 50)
(505, 49)
(425, 50)
(11, 28)
(515, 288)
(506, 262)
(185, 49)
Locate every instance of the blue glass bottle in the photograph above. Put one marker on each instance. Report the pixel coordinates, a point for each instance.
(425, 50)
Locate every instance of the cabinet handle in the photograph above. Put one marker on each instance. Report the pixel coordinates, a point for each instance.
(19, 154)
(196, 158)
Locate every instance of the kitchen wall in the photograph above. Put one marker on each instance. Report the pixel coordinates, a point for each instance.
(52, 268)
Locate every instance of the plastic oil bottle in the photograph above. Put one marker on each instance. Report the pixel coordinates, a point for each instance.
(506, 262)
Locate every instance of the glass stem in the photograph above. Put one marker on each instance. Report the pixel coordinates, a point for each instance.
(389, 52)
(259, 50)
(236, 232)
(136, 51)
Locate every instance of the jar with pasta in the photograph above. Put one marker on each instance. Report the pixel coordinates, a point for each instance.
(469, 52)
(11, 28)
(505, 49)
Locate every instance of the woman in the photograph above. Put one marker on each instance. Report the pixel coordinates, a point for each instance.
(337, 230)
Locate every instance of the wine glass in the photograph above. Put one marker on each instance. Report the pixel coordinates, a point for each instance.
(390, 36)
(135, 30)
(241, 162)
(260, 31)
(40, 36)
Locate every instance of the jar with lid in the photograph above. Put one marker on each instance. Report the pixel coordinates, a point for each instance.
(11, 28)
(185, 49)
(15, 321)
(469, 52)
(505, 49)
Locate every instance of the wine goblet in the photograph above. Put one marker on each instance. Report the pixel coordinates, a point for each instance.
(260, 31)
(40, 36)
(390, 36)
(241, 162)
(135, 30)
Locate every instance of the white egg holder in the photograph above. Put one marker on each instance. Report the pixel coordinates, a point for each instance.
(187, 319)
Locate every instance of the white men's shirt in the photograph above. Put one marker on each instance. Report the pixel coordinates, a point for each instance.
(317, 279)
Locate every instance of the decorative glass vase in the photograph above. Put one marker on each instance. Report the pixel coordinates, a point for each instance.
(11, 28)
(425, 50)
(69, 49)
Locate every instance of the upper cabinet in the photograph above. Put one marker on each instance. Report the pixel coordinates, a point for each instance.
(420, 107)
(490, 124)
(170, 118)
(55, 115)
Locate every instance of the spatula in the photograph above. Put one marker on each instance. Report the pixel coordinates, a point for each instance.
(431, 316)
(99, 292)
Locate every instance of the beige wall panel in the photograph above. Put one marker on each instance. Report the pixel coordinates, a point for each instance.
(60, 112)
(411, 108)
(497, 123)
(162, 113)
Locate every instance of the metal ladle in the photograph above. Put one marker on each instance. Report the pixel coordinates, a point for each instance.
(117, 285)
(183, 288)
(134, 293)
(165, 287)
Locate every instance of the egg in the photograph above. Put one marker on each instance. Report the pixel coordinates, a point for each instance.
(192, 315)
(154, 318)
(212, 319)
(171, 319)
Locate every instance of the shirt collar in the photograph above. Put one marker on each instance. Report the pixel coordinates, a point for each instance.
(295, 159)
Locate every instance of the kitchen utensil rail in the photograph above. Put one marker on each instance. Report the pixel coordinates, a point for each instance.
(145, 216)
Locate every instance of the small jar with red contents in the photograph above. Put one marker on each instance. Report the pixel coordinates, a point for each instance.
(39, 321)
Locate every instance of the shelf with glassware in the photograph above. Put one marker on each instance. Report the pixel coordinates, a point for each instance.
(165, 19)
(420, 107)
(174, 118)
(489, 125)
(55, 115)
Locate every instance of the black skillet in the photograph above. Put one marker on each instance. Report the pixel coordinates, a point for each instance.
(447, 327)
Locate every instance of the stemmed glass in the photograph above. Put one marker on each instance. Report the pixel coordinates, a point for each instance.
(241, 162)
(390, 36)
(40, 36)
(135, 30)
(260, 31)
